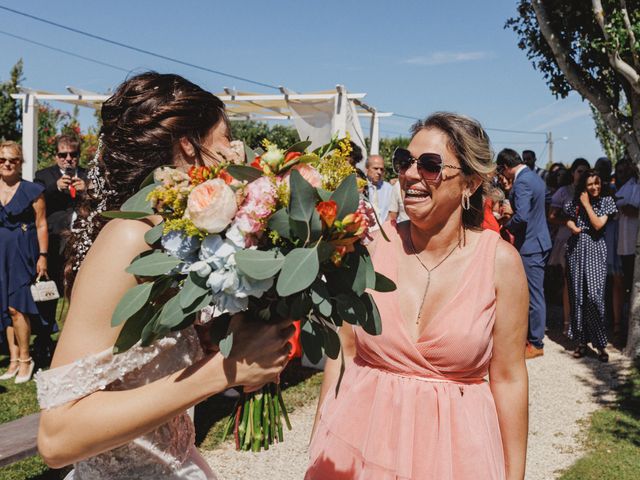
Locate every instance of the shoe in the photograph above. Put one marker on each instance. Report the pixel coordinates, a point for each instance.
(533, 352)
(27, 377)
(603, 356)
(580, 351)
(8, 375)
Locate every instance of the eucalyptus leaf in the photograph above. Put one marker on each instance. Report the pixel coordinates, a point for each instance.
(171, 314)
(150, 179)
(370, 272)
(226, 344)
(157, 263)
(131, 302)
(350, 309)
(321, 298)
(125, 215)
(199, 303)
(300, 306)
(279, 222)
(312, 341)
(384, 284)
(139, 202)
(300, 147)
(155, 234)
(325, 195)
(299, 231)
(300, 269)
(325, 250)
(244, 172)
(131, 332)
(331, 342)
(346, 196)
(191, 291)
(259, 264)
(249, 154)
(303, 198)
(372, 323)
(315, 225)
(361, 274)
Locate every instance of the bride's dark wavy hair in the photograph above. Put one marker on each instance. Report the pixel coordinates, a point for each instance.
(141, 124)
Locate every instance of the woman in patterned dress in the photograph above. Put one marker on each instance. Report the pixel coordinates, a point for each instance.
(588, 213)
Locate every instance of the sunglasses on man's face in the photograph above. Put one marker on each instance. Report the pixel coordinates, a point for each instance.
(430, 165)
(63, 155)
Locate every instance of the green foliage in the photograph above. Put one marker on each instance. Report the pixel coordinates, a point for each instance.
(386, 149)
(252, 133)
(10, 127)
(611, 144)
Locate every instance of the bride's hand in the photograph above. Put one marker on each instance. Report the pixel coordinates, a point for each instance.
(259, 351)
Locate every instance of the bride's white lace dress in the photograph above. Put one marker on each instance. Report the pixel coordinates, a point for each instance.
(167, 452)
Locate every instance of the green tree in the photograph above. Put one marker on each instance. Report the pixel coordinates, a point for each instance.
(10, 127)
(592, 48)
(611, 144)
(252, 133)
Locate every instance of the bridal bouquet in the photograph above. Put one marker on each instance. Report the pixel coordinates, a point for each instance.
(280, 236)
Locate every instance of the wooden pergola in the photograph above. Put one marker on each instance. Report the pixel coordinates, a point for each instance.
(240, 106)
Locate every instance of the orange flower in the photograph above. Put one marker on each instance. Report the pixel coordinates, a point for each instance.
(291, 156)
(256, 163)
(338, 254)
(199, 174)
(224, 175)
(328, 211)
(354, 223)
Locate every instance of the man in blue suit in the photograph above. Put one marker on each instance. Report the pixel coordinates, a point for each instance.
(527, 222)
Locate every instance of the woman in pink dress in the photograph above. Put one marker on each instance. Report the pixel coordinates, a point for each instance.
(414, 402)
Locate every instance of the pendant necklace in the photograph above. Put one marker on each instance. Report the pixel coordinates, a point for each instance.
(424, 297)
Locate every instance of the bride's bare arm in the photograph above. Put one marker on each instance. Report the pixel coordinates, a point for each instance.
(107, 419)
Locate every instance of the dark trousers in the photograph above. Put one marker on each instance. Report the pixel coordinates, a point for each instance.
(534, 264)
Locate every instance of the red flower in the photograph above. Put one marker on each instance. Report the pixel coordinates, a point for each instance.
(328, 211)
(224, 175)
(256, 163)
(294, 341)
(199, 174)
(291, 156)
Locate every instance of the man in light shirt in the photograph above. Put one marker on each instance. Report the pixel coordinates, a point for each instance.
(396, 209)
(380, 192)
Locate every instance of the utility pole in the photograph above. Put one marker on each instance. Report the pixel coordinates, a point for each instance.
(550, 146)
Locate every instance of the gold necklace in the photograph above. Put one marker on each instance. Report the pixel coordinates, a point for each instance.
(424, 297)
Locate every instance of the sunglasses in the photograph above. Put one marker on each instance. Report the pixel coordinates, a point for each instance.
(63, 155)
(430, 165)
(11, 160)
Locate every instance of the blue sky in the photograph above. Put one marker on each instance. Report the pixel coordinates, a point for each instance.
(411, 57)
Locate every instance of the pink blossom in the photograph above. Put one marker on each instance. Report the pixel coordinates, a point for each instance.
(258, 205)
(368, 213)
(309, 173)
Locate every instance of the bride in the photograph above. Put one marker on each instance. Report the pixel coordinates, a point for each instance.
(123, 416)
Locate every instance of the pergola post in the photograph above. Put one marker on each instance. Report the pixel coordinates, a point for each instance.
(339, 126)
(374, 133)
(29, 136)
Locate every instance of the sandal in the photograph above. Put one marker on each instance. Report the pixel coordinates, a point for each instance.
(10, 373)
(580, 352)
(603, 356)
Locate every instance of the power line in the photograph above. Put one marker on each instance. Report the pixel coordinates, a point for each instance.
(66, 52)
(136, 49)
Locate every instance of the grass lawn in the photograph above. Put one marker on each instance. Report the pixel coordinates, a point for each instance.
(613, 439)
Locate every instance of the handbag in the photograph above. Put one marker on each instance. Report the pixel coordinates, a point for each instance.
(43, 291)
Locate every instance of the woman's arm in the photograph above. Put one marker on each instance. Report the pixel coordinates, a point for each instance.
(107, 419)
(508, 372)
(40, 209)
(596, 221)
(556, 216)
(332, 368)
(571, 225)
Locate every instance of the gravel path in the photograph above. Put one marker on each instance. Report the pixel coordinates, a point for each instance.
(563, 393)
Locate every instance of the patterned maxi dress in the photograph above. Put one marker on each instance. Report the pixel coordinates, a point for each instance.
(587, 273)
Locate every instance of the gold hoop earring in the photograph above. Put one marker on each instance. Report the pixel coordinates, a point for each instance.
(466, 202)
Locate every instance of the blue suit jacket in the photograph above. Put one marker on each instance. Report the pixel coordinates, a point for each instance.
(529, 221)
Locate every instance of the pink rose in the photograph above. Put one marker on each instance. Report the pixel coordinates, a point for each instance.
(211, 206)
(309, 173)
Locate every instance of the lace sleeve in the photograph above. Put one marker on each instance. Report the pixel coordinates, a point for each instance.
(102, 370)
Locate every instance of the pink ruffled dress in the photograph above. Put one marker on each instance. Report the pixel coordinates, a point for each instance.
(419, 410)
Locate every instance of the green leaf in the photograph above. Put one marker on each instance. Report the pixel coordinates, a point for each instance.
(331, 342)
(299, 230)
(226, 344)
(192, 290)
(350, 308)
(364, 269)
(158, 263)
(131, 332)
(171, 314)
(244, 172)
(125, 215)
(325, 250)
(259, 264)
(372, 323)
(315, 225)
(370, 271)
(139, 203)
(299, 271)
(151, 331)
(303, 198)
(279, 222)
(155, 234)
(299, 147)
(133, 300)
(199, 303)
(312, 341)
(300, 306)
(384, 284)
(346, 196)
(324, 195)
(150, 179)
(250, 154)
(321, 298)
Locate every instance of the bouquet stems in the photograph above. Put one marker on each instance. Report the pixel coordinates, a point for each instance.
(257, 419)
